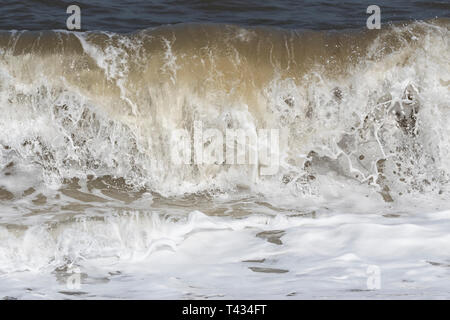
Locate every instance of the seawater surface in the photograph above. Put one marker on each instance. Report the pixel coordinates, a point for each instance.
(92, 205)
(131, 15)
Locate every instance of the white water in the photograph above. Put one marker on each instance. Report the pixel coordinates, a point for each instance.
(325, 256)
(362, 183)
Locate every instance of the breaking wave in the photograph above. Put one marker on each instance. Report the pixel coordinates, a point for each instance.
(366, 109)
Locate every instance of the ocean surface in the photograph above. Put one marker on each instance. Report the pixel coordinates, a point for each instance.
(224, 150)
(131, 15)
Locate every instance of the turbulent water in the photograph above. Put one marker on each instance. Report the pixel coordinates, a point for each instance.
(89, 188)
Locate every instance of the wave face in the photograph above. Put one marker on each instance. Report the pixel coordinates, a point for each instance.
(366, 110)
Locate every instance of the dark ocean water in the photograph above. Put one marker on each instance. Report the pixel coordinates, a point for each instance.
(130, 15)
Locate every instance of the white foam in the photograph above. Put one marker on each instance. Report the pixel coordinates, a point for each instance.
(131, 256)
